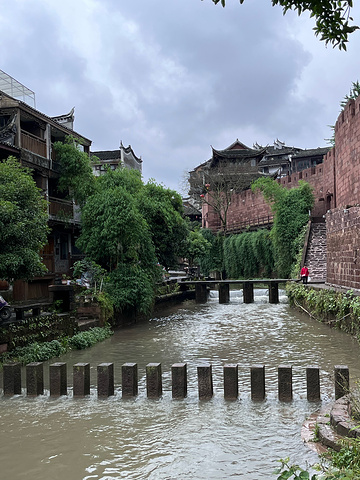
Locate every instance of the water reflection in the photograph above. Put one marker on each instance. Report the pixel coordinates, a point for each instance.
(165, 439)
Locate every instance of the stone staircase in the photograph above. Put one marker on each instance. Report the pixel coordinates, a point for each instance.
(315, 258)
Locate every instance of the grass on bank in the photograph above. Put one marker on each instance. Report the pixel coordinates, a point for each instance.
(340, 310)
(42, 351)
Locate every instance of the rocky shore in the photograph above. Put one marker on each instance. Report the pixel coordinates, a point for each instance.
(327, 428)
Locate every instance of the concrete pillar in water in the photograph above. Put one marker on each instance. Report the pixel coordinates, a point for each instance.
(231, 385)
(81, 379)
(313, 384)
(285, 383)
(273, 292)
(58, 380)
(34, 379)
(153, 380)
(205, 382)
(129, 379)
(179, 380)
(224, 293)
(105, 378)
(248, 292)
(341, 373)
(12, 379)
(257, 375)
(200, 293)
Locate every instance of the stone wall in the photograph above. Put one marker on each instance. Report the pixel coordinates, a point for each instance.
(343, 247)
(347, 154)
(248, 206)
(343, 222)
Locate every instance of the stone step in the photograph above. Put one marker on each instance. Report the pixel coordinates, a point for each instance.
(316, 252)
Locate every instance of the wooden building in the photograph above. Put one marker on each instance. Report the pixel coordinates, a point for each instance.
(29, 135)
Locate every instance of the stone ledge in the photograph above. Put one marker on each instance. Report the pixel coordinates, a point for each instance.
(333, 423)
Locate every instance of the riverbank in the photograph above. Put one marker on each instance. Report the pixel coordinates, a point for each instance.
(330, 427)
(337, 307)
(332, 431)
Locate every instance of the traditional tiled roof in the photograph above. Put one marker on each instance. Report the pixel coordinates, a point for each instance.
(272, 150)
(8, 147)
(116, 154)
(191, 210)
(312, 152)
(236, 155)
(48, 119)
(107, 154)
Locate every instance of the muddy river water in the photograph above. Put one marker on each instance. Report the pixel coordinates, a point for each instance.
(76, 439)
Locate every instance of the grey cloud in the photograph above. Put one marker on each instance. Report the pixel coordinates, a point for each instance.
(170, 77)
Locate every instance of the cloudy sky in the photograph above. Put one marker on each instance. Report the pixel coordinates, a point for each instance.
(175, 77)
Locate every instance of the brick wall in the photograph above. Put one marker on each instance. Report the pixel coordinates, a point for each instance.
(248, 207)
(347, 158)
(343, 247)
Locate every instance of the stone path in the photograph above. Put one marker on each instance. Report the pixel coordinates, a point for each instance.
(316, 252)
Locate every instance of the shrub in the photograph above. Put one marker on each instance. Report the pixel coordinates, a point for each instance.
(90, 337)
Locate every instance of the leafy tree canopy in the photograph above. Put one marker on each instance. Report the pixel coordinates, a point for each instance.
(162, 208)
(291, 212)
(332, 17)
(198, 247)
(23, 223)
(128, 228)
(76, 178)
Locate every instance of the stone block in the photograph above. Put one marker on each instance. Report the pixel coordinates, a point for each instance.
(179, 380)
(58, 379)
(129, 373)
(153, 380)
(34, 379)
(105, 376)
(81, 379)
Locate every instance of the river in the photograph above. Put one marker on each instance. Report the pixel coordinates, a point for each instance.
(81, 439)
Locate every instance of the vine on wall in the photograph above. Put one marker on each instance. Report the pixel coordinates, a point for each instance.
(249, 255)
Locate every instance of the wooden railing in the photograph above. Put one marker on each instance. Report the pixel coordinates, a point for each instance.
(33, 144)
(250, 223)
(63, 209)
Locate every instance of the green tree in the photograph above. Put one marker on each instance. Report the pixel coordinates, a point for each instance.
(332, 17)
(198, 247)
(214, 260)
(125, 224)
(291, 212)
(162, 208)
(249, 255)
(77, 179)
(23, 223)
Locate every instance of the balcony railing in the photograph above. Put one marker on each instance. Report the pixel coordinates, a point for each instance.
(33, 144)
(62, 210)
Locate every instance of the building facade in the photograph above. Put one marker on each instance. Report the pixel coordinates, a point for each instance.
(29, 135)
(123, 157)
(246, 209)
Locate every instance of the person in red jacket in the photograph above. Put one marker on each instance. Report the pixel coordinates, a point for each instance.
(304, 274)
